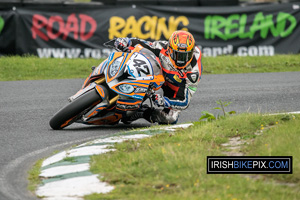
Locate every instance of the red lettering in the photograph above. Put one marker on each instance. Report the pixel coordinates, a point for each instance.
(56, 27)
(38, 22)
(71, 26)
(52, 35)
(84, 20)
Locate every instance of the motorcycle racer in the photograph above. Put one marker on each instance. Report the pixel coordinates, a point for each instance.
(182, 69)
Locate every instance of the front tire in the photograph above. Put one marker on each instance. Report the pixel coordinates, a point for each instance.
(69, 114)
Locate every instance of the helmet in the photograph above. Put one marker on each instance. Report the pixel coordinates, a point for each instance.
(181, 48)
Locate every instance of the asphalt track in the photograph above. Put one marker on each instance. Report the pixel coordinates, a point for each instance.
(27, 106)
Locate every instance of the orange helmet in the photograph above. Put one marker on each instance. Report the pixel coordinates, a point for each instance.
(181, 48)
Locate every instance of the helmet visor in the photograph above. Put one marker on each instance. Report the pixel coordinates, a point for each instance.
(181, 58)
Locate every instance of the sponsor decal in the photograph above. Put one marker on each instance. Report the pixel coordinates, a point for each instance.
(235, 26)
(153, 27)
(194, 89)
(81, 27)
(193, 77)
(140, 90)
(176, 78)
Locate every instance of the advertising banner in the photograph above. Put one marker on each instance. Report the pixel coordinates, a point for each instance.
(77, 32)
(7, 32)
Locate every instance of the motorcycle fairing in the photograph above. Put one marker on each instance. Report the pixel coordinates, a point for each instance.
(96, 110)
(128, 104)
(99, 115)
(108, 118)
(101, 91)
(115, 65)
(97, 73)
(134, 71)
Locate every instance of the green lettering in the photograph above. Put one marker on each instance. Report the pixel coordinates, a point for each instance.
(243, 23)
(230, 25)
(235, 25)
(1, 24)
(279, 29)
(269, 25)
(258, 24)
(218, 22)
(282, 18)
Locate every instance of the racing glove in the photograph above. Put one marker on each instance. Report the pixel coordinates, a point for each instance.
(122, 44)
(161, 101)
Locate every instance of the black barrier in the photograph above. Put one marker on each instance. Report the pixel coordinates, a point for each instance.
(79, 32)
(7, 32)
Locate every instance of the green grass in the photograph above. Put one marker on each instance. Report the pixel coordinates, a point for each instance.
(232, 64)
(34, 68)
(33, 176)
(278, 141)
(173, 166)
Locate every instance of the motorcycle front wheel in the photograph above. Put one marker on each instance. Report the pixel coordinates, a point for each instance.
(74, 110)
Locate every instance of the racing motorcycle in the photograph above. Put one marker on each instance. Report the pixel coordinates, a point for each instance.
(115, 90)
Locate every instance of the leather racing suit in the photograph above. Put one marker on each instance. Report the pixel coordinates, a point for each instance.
(179, 86)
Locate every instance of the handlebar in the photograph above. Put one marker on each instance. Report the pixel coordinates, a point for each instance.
(110, 44)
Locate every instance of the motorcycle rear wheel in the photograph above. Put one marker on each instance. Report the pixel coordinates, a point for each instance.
(70, 113)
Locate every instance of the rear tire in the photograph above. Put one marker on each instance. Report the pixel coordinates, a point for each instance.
(68, 114)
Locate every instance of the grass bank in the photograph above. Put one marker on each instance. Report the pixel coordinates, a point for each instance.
(173, 166)
(33, 68)
(33, 176)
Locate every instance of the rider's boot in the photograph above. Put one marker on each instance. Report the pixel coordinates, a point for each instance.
(149, 115)
(135, 116)
(165, 116)
(144, 113)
